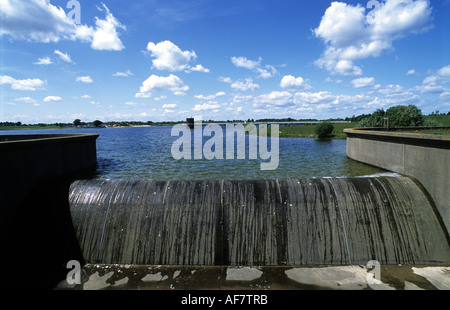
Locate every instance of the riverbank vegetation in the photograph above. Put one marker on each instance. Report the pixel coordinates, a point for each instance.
(309, 131)
(405, 117)
(398, 116)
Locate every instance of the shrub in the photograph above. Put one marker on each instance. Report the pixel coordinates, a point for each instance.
(324, 130)
(404, 116)
(374, 120)
(399, 116)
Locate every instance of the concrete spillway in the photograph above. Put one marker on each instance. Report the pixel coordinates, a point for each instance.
(258, 222)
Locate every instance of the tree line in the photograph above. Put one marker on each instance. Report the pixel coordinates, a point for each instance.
(397, 116)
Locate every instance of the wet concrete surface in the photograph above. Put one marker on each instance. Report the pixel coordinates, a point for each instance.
(146, 277)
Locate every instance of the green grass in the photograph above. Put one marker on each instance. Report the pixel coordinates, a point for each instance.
(28, 127)
(439, 120)
(308, 131)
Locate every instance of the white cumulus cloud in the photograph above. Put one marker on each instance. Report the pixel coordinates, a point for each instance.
(52, 99)
(123, 74)
(41, 21)
(25, 84)
(43, 61)
(352, 33)
(198, 68)
(105, 36)
(206, 106)
(162, 83)
(168, 56)
(444, 72)
(64, 56)
(169, 106)
(25, 99)
(36, 20)
(291, 82)
(363, 82)
(436, 83)
(84, 79)
(244, 85)
(445, 95)
(274, 99)
(322, 97)
(209, 97)
(264, 72)
(243, 62)
(240, 85)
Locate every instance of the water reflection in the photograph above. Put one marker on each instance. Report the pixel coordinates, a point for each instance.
(145, 153)
(107, 166)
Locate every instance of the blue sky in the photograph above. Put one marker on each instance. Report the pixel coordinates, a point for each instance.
(168, 60)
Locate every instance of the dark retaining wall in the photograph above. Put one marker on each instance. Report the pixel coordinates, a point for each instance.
(36, 232)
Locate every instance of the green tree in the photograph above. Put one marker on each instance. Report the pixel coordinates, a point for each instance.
(324, 130)
(399, 116)
(373, 120)
(97, 123)
(77, 122)
(405, 116)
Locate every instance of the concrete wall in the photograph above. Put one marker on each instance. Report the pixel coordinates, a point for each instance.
(424, 157)
(36, 232)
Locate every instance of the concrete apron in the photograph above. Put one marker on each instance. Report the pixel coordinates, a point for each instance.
(146, 277)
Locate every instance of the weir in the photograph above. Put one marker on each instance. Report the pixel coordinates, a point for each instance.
(291, 222)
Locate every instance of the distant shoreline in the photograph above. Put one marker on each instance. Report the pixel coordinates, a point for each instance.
(306, 131)
(37, 127)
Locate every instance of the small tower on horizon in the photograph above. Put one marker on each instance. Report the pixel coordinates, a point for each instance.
(190, 122)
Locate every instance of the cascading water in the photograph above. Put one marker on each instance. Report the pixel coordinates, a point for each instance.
(298, 222)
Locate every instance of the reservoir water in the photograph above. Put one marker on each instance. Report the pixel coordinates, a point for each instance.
(145, 153)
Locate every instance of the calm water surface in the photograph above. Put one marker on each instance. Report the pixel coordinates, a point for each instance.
(145, 153)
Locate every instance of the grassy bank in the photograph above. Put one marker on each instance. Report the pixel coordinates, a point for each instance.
(438, 120)
(308, 131)
(6, 128)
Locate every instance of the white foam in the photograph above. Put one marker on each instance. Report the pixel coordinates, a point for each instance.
(381, 174)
